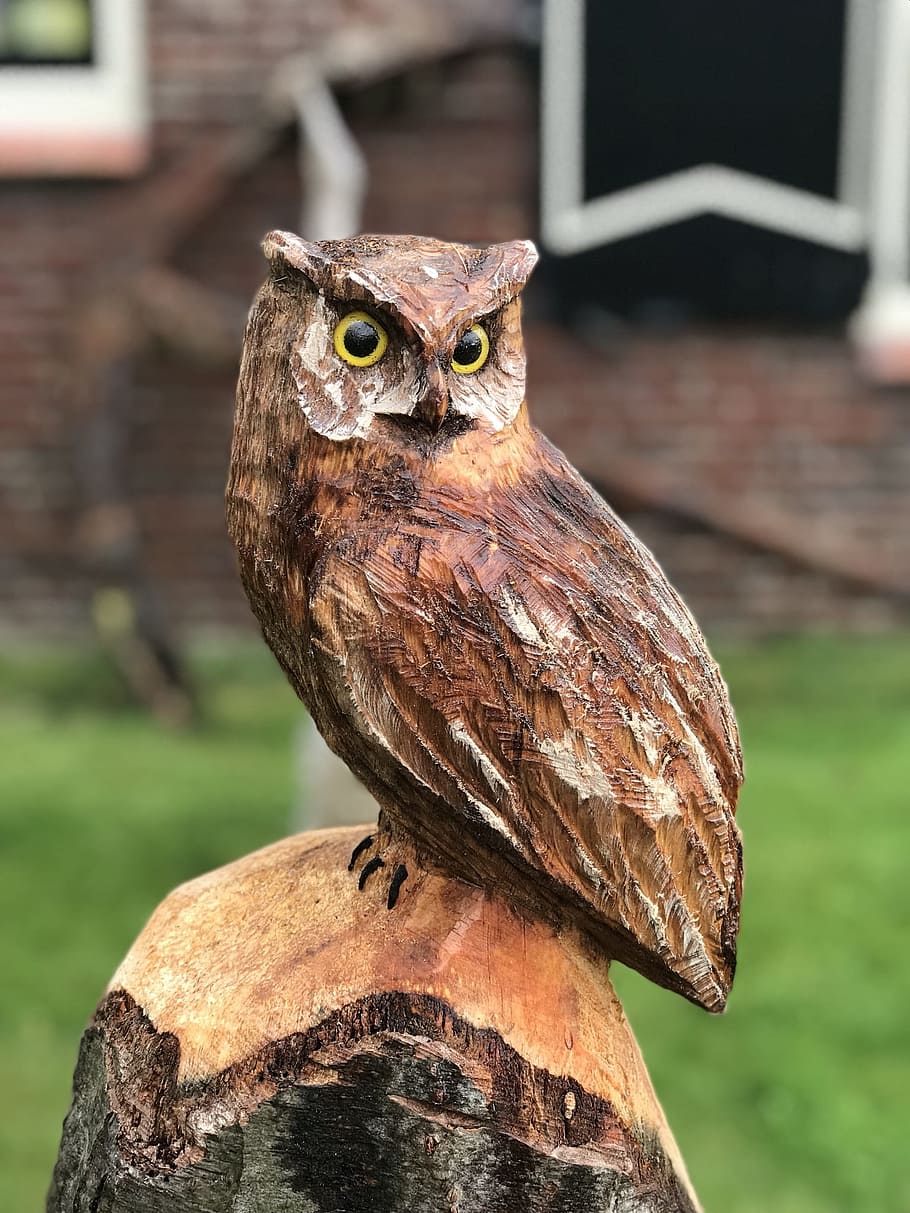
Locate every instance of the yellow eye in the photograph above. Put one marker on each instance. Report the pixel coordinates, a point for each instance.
(359, 339)
(471, 351)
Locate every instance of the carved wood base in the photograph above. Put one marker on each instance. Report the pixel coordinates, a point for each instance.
(279, 1041)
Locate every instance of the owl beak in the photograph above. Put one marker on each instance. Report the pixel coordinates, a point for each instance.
(433, 401)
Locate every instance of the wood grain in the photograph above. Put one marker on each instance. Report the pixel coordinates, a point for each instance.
(278, 1036)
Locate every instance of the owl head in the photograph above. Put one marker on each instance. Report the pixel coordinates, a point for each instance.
(401, 332)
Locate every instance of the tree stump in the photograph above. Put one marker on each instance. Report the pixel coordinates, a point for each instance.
(279, 1040)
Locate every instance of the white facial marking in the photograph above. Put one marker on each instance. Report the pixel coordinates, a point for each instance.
(495, 392)
(340, 401)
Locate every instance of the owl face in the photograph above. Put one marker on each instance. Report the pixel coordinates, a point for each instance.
(402, 336)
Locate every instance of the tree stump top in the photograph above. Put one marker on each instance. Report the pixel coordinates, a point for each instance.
(278, 1037)
(272, 944)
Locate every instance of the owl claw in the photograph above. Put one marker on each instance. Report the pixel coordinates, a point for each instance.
(368, 869)
(363, 845)
(399, 876)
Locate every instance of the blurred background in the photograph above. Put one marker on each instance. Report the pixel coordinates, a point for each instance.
(719, 338)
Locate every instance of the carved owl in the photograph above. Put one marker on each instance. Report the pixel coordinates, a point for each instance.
(474, 631)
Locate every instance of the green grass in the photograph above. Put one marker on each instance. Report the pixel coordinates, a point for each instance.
(795, 1100)
(101, 813)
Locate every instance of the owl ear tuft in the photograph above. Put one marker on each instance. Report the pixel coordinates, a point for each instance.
(518, 260)
(288, 255)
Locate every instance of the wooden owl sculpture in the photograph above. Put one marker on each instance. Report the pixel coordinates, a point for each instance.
(474, 631)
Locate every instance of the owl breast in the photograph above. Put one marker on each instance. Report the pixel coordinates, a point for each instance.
(513, 678)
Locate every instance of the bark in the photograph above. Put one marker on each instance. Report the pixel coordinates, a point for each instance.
(280, 1039)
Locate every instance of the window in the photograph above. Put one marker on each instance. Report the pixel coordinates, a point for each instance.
(72, 87)
(45, 32)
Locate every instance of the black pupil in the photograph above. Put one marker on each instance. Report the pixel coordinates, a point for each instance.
(360, 338)
(469, 349)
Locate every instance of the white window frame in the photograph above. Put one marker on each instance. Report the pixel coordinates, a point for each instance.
(571, 224)
(80, 119)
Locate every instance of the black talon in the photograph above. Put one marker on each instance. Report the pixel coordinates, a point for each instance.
(363, 845)
(368, 869)
(398, 879)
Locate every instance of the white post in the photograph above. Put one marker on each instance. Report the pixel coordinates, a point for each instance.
(889, 201)
(332, 168)
(881, 328)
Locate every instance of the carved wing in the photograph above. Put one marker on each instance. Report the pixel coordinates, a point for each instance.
(532, 678)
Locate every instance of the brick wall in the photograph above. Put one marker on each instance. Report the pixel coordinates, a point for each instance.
(211, 60)
(755, 425)
(786, 479)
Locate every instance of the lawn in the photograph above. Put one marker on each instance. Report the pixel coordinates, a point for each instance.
(795, 1100)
